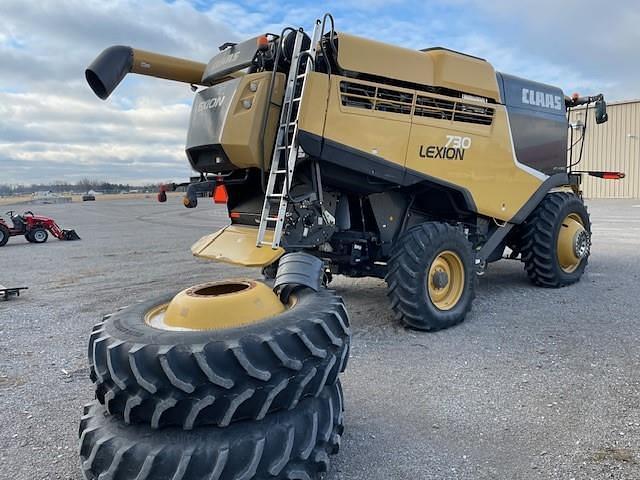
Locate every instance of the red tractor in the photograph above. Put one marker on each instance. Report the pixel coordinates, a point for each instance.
(35, 228)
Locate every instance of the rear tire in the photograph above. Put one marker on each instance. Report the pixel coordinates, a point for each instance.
(215, 377)
(38, 235)
(4, 235)
(284, 445)
(539, 240)
(427, 253)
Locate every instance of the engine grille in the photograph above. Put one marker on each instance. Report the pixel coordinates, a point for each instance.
(385, 99)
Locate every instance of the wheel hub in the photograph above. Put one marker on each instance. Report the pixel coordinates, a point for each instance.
(440, 279)
(215, 306)
(581, 244)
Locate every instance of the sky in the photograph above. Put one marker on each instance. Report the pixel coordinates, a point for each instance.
(52, 127)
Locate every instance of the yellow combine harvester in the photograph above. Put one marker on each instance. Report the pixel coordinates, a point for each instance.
(334, 155)
(416, 166)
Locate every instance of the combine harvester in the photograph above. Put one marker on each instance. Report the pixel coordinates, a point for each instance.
(334, 155)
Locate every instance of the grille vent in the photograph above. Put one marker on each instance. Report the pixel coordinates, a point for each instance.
(384, 99)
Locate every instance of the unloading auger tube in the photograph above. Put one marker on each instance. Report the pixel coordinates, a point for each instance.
(109, 68)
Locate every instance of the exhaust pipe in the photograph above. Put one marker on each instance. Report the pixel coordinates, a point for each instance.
(109, 68)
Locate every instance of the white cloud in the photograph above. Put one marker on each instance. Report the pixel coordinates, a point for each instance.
(53, 127)
(51, 124)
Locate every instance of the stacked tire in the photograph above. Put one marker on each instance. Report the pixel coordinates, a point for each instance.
(252, 402)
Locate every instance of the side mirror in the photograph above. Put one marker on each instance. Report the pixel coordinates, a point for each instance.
(601, 111)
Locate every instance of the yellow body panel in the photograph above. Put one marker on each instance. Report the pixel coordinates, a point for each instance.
(440, 68)
(216, 306)
(463, 73)
(383, 134)
(243, 126)
(236, 244)
(489, 170)
(313, 107)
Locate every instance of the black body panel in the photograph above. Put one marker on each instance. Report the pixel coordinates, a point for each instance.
(204, 137)
(538, 122)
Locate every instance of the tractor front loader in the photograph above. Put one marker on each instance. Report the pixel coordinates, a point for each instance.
(35, 228)
(334, 154)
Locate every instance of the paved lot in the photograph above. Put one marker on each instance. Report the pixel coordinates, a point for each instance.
(536, 384)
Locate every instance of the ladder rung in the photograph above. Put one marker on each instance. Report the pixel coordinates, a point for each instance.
(277, 196)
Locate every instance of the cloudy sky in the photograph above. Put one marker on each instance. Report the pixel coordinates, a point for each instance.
(52, 127)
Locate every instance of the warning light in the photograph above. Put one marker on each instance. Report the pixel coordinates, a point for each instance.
(263, 43)
(220, 194)
(607, 175)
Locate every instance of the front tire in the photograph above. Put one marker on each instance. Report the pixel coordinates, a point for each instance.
(38, 235)
(556, 240)
(431, 278)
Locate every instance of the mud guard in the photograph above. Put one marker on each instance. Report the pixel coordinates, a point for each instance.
(236, 244)
(298, 270)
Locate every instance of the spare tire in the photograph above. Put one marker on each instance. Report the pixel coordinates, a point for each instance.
(216, 377)
(284, 445)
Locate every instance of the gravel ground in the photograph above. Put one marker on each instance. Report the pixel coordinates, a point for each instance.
(539, 384)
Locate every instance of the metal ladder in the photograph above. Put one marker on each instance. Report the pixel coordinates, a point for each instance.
(286, 151)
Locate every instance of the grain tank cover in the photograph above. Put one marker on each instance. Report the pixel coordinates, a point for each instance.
(435, 67)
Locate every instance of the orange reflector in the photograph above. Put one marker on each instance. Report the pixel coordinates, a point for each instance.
(234, 215)
(606, 175)
(263, 42)
(613, 175)
(220, 194)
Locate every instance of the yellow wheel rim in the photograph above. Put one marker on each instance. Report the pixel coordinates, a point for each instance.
(216, 306)
(573, 243)
(445, 280)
